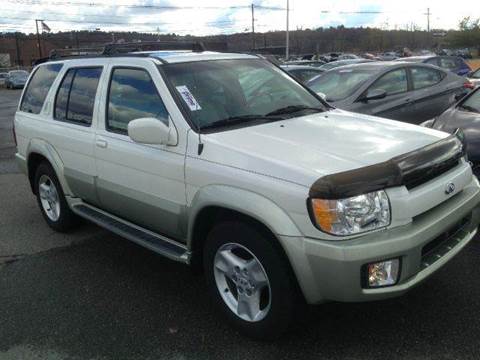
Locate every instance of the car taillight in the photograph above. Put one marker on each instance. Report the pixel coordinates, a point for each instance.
(468, 85)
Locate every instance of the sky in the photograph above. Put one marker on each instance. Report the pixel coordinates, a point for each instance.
(207, 17)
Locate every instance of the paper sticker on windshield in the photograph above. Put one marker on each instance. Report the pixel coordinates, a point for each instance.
(188, 98)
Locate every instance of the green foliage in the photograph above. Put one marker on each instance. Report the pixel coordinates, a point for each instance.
(468, 34)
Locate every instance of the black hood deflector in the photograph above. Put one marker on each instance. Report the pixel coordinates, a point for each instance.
(410, 169)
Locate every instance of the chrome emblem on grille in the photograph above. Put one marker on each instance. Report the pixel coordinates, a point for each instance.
(450, 188)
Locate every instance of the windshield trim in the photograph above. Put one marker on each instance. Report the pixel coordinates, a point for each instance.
(187, 115)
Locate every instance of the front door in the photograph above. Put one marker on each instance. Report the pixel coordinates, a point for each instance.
(141, 183)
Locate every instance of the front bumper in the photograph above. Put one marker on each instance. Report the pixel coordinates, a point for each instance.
(332, 270)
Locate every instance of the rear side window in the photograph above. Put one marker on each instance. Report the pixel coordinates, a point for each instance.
(38, 87)
(132, 95)
(76, 95)
(425, 77)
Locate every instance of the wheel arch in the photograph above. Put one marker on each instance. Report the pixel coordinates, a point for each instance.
(217, 203)
(38, 151)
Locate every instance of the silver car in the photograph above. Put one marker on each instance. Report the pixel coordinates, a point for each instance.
(16, 79)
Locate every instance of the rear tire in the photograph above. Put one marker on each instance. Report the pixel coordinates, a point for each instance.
(51, 200)
(250, 280)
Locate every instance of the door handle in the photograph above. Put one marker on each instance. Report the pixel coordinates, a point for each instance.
(101, 143)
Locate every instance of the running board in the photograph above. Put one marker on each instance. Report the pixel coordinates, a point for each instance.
(155, 242)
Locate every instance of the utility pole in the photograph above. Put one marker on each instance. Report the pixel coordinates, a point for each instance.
(287, 40)
(428, 19)
(253, 27)
(17, 48)
(38, 39)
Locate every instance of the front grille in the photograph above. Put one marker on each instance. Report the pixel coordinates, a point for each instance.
(422, 176)
(445, 242)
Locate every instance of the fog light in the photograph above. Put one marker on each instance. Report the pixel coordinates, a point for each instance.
(383, 273)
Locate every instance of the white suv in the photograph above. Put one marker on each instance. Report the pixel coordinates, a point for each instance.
(225, 162)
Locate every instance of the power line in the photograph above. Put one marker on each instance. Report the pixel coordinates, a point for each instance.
(139, 6)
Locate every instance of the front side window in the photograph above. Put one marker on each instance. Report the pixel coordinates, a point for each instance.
(132, 95)
(76, 95)
(393, 82)
(423, 77)
(340, 84)
(38, 87)
(239, 90)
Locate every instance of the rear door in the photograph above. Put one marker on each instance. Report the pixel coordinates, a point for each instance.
(431, 95)
(141, 183)
(57, 109)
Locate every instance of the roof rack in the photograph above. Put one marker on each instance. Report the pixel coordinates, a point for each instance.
(124, 49)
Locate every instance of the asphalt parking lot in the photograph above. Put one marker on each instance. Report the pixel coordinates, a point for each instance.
(94, 295)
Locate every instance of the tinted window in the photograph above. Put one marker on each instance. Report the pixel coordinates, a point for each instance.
(393, 82)
(132, 96)
(432, 61)
(76, 95)
(61, 101)
(38, 87)
(425, 77)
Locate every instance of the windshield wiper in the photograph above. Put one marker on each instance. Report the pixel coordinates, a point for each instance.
(293, 109)
(469, 108)
(235, 120)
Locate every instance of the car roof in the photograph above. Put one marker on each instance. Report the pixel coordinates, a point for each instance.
(164, 56)
(300, 67)
(373, 65)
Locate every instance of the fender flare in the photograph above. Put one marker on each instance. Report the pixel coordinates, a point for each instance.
(42, 147)
(243, 201)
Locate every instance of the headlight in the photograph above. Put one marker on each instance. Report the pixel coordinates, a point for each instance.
(353, 215)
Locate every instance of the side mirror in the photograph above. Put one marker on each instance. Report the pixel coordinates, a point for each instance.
(374, 95)
(152, 131)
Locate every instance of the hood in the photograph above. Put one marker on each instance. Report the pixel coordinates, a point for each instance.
(455, 118)
(303, 149)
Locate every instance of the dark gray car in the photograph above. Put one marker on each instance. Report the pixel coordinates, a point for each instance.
(401, 91)
(464, 115)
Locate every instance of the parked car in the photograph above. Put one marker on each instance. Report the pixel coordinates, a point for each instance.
(348, 57)
(407, 92)
(302, 72)
(3, 76)
(338, 63)
(16, 79)
(313, 63)
(388, 56)
(454, 64)
(464, 115)
(222, 162)
(474, 77)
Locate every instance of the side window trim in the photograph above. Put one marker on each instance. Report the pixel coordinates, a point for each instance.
(75, 69)
(108, 128)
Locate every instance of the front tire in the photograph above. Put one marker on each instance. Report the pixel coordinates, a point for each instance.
(51, 200)
(250, 280)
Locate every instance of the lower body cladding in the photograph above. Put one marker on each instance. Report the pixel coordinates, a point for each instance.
(338, 270)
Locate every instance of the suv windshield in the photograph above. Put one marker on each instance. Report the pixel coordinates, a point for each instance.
(339, 84)
(19, 74)
(227, 92)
